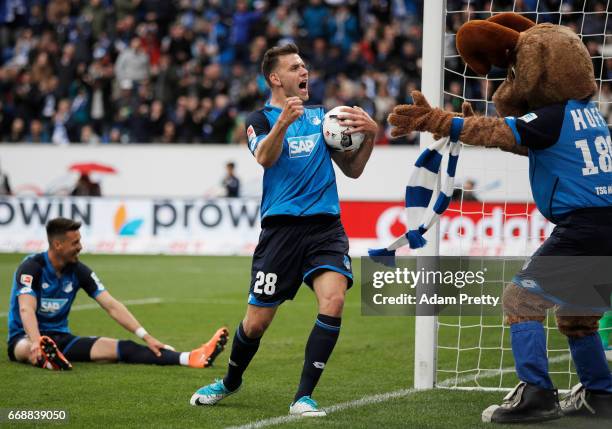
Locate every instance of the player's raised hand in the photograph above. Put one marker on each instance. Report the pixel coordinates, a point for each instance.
(359, 121)
(292, 109)
(154, 344)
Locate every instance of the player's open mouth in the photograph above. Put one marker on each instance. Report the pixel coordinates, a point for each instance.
(303, 84)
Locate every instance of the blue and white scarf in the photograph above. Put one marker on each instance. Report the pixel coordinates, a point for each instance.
(420, 213)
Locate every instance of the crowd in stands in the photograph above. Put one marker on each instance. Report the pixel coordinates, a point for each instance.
(187, 71)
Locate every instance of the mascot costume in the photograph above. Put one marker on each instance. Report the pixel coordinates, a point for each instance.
(546, 114)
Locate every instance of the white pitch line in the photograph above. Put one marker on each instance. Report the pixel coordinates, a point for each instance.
(366, 400)
(143, 301)
(383, 397)
(490, 373)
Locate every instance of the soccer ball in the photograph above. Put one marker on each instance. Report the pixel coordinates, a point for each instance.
(335, 133)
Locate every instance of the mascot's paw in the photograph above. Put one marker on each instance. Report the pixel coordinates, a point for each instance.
(466, 110)
(406, 118)
(420, 116)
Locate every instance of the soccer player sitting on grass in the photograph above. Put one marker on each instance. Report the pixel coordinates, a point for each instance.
(44, 289)
(302, 238)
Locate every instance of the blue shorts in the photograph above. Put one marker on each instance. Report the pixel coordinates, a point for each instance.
(290, 251)
(573, 267)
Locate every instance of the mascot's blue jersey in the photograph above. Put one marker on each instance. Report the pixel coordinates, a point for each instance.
(570, 164)
(54, 295)
(302, 181)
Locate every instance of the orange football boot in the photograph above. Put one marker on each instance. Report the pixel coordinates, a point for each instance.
(52, 357)
(205, 355)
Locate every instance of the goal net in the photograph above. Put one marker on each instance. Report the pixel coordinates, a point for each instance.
(473, 352)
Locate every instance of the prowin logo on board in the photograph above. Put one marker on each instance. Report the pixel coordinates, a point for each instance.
(123, 225)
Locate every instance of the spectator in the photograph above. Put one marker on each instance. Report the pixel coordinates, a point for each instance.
(466, 193)
(220, 121)
(230, 182)
(17, 131)
(37, 132)
(86, 188)
(169, 135)
(115, 136)
(60, 120)
(243, 22)
(314, 19)
(66, 70)
(88, 136)
(285, 21)
(133, 63)
(343, 28)
(177, 45)
(157, 118)
(5, 187)
(96, 14)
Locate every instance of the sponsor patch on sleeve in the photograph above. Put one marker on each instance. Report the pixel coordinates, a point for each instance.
(25, 290)
(528, 117)
(98, 282)
(251, 134)
(26, 280)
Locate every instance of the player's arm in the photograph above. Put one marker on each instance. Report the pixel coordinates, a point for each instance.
(119, 312)
(27, 312)
(353, 163)
(270, 148)
(28, 287)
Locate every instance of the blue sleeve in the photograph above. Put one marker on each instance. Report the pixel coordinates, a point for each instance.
(89, 281)
(28, 278)
(538, 129)
(257, 129)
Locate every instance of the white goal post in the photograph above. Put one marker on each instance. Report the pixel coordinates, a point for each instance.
(432, 82)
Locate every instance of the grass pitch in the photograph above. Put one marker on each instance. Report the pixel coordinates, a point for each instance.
(195, 296)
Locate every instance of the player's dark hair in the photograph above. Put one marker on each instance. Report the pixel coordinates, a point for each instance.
(270, 59)
(59, 226)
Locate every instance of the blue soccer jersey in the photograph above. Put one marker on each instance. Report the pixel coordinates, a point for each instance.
(302, 182)
(570, 164)
(54, 295)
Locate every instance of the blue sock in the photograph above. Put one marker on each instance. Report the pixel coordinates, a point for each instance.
(319, 347)
(243, 351)
(591, 363)
(529, 350)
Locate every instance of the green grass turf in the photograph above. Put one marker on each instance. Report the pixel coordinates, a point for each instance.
(199, 294)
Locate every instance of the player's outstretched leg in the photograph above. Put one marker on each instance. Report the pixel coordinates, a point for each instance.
(593, 395)
(534, 399)
(52, 358)
(128, 351)
(243, 351)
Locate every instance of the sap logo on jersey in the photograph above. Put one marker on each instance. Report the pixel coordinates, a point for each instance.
(302, 146)
(51, 305)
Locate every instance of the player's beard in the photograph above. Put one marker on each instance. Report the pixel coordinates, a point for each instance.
(73, 257)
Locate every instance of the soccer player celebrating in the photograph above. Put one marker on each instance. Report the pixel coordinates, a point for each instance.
(302, 238)
(44, 289)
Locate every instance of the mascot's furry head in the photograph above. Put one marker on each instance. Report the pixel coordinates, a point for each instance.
(546, 63)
